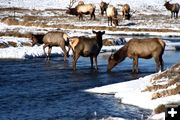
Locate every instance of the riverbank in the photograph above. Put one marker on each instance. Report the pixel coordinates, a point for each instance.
(148, 92)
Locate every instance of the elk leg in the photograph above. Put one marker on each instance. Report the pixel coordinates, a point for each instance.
(108, 21)
(136, 63)
(161, 63)
(65, 52)
(68, 51)
(95, 59)
(91, 59)
(157, 60)
(94, 16)
(133, 65)
(80, 16)
(45, 45)
(91, 16)
(49, 51)
(75, 58)
(111, 21)
(176, 14)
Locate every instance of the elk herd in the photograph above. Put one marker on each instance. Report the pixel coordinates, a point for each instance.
(91, 46)
(111, 11)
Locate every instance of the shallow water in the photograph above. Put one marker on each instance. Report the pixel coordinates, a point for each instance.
(37, 89)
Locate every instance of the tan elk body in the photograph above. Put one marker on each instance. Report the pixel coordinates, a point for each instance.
(60, 39)
(112, 15)
(139, 48)
(86, 47)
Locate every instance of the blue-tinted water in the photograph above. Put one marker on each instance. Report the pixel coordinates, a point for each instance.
(34, 89)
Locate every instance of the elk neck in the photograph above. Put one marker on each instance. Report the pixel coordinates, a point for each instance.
(121, 54)
(99, 39)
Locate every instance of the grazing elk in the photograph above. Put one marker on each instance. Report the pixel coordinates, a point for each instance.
(87, 47)
(126, 12)
(112, 15)
(56, 39)
(174, 8)
(81, 9)
(139, 48)
(103, 7)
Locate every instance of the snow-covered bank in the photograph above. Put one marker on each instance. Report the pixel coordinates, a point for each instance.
(131, 93)
(135, 92)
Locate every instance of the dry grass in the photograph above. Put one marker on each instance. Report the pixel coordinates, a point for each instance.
(10, 21)
(11, 43)
(170, 77)
(166, 93)
(3, 45)
(162, 107)
(159, 109)
(108, 42)
(61, 22)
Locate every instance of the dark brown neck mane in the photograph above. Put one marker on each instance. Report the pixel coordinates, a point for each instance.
(99, 39)
(121, 54)
(169, 6)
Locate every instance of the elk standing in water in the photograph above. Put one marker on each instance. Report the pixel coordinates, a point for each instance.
(174, 8)
(87, 47)
(56, 39)
(139, 48)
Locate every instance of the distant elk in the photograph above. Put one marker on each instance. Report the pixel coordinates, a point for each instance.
(103, 7)
(174, 8)
(81, 9)
(86, 47)
(139, 48)
(112, 15)
(126, 12)
(56, 39)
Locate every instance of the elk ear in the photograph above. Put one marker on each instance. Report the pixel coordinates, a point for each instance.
(93, 31)
(103, 32)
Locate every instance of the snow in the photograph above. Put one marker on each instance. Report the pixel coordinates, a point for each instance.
(23, 52)
(44, 4)
(131, 93)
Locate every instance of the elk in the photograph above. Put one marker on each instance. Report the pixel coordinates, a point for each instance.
(112, 15)
(126, 12)
(56, 39)
(139, 48)
(81, 9)
(86, 47)
(103, 7)
(174, 8)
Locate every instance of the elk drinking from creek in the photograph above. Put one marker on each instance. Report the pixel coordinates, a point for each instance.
(139, 48)
(86, 47)
(56, 39)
